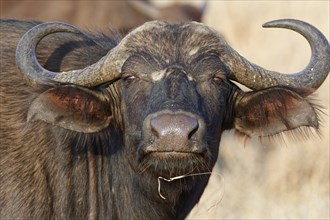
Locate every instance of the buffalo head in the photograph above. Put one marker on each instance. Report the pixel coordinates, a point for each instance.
(169, 90)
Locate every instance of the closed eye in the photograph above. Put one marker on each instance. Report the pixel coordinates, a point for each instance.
(130, 79)
(217, 80)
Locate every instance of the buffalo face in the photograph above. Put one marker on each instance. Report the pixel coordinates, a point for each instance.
(174, 111)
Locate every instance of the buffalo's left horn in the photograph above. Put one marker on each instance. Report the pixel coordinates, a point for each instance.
(308, 80)
(95, 74)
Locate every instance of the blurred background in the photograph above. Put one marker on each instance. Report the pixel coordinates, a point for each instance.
(284, 178)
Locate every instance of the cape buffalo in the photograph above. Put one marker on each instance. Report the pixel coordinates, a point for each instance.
(90, 122)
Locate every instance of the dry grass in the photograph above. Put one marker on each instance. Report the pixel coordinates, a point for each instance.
(274, 180)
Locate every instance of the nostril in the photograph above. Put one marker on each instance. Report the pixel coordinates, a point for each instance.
(154, 127)
(154, 124)
(191, 126)
(193, 131)
(179, 125)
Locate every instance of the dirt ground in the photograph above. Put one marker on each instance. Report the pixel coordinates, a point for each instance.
(284, 178)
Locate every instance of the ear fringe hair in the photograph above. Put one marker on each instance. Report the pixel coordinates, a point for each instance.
(300, 134)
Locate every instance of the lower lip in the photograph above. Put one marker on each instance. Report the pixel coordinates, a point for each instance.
(168, 154)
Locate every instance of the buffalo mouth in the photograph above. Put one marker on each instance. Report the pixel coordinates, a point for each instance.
(170, 163)
(173, 150)
(171, 154)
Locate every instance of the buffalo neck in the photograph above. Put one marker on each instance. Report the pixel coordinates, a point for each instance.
(98, 183)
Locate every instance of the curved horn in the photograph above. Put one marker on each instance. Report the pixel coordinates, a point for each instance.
(28, 64)
(307, 80)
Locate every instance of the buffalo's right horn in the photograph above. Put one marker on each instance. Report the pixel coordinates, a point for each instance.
(95, 74)
(307, 80)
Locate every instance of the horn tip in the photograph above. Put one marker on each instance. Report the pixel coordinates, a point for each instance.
(272, 23)
(285, 23)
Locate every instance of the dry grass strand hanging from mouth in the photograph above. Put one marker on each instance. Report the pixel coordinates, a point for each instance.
(184, 176)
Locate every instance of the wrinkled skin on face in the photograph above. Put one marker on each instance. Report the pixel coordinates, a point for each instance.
(185, 77)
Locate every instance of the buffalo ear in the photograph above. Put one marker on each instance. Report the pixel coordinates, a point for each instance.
(271, 111)
(74, 108)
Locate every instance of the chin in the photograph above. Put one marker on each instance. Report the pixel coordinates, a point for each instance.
(170, 164)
